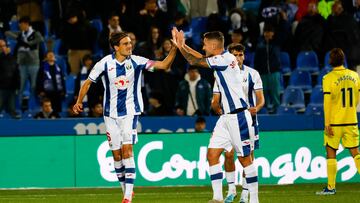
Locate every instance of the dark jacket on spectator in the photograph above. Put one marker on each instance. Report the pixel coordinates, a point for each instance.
(9, 77)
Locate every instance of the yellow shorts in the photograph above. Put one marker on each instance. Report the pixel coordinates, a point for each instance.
(349, 136)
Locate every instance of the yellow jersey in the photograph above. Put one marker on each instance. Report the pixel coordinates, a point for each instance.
(341, 96)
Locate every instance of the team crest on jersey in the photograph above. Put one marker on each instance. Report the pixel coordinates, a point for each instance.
(121, 82)
(128, 67)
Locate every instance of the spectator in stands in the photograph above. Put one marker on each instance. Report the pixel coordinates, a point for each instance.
(343, 32)
(243, 24)
(152, 16)
(193, 96)
(96, 91)
(46, 110)
(33, 10)
(10, 80)
(152, 47)
(96, 110)
(27, 50)
(113, 26)
(79, 38)
(156, 105)
(267, 62)
(51, 82)
(135, 45)
(310, 30)
(200, 124)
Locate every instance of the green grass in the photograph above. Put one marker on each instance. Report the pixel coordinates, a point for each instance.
(347, 192)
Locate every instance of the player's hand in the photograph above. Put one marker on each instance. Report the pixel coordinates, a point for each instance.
(329, 131)
(180, 38)
(174, 33)
(78, 108)
(253, 111)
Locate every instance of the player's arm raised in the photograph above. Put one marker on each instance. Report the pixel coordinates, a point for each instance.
(166, 63)
(193, 57)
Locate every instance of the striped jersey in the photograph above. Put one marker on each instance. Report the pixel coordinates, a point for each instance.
(228, 78)
(251, 81)
(122, 84)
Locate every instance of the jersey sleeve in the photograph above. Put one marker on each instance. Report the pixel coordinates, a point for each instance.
(327, 99)
(97, 71)
(144, 63)
(216, 88)
(257, 81)
(217, 62)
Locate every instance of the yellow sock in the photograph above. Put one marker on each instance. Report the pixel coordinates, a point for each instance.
(357, 162)
(331, 172)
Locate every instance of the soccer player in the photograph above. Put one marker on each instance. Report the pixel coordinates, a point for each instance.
(120, 73)
(341, 89)
(234, 125)
(252, 86)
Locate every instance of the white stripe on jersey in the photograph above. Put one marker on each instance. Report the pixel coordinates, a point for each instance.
(229, 80)
(251, 83)
(122, 84)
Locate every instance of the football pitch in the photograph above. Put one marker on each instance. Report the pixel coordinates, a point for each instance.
(346, 192)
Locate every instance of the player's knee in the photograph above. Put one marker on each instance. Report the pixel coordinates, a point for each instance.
(127, 151)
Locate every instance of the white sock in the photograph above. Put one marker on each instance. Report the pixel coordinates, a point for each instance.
(216, 177)
(252, 182)
(129, 177)
(120, 173)
(245, 190)
(230, 179)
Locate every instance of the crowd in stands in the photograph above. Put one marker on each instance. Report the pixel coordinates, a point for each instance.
(48, 48)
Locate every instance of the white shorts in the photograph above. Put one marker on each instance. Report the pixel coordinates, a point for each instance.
(233, 131)
(121, 131)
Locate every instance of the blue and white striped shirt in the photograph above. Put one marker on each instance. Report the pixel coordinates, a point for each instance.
(122, 84)
(228, 78)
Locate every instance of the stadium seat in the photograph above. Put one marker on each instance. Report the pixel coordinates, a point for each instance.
(301, 79)
(263, 111)
(47, 8)
(70, 84)
(249, 59)
(314, 110)
(322, 72)
(293, 97)
(198, 27)
(317, 97)
(12, 44)
(97, 24)
(286, 110)
(285, 64)
(307, 61)
(62, 62)
(14, 25)
(57, 46)
(326, 61)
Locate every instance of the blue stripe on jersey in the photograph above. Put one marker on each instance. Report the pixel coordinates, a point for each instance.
(226, 90)
(137, 73)
(250, 91)
(107, 92)
(244, 132)
(135, 120)
(121, 96)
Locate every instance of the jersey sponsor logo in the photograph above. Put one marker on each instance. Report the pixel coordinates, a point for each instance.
(233, 64)
(121, 82)
(128, 67)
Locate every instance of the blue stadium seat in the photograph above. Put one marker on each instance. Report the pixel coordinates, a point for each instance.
(62, 62)
(326, 61)
(249, 58)
(314, 110)
(14, 25)
(47, 8)
(12, 44)
(97, 24)
(322, 72)
(293, 97)
(286, 110)
(317, 97)
(307, 61)
(198, 27)
(263, 111)
(285, 64)
(70, 84)
(301, 79)
(57, 46)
